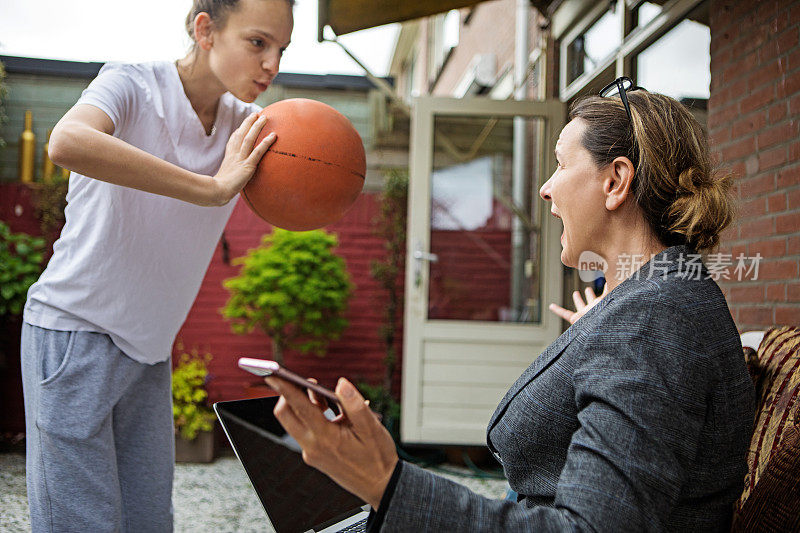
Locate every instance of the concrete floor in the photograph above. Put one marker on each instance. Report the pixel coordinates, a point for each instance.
(207, 497)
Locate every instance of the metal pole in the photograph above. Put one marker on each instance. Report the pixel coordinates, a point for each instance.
(519, 180)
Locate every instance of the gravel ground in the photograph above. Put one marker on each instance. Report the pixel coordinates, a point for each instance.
(214, 497)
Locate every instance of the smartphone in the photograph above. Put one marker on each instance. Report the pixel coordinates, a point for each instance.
(265, 367)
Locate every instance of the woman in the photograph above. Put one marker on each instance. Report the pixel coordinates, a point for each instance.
(157, 152)
(637, 418)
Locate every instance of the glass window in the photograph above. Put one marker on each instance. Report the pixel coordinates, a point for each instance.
(594, 45)
(484, 225)
(645, 12)
(679, 63)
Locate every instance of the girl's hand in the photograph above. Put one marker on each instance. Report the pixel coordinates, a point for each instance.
(241, 158)
(581, 307)
(354, 449)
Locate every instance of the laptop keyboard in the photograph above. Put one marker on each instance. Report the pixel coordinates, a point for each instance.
(357, 527)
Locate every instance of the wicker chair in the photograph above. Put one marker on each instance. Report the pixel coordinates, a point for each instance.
(771, 497)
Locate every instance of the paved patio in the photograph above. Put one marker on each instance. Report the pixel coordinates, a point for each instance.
(215, 497)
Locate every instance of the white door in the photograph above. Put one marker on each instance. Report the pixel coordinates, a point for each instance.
(482, 262)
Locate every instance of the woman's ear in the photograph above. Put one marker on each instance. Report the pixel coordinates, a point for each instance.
(618, 181)
(203, 34)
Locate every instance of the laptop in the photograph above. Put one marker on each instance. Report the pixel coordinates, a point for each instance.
(296, 497)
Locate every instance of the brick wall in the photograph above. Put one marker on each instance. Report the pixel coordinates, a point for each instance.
(357, 355)
(754, 124)
(490, 30)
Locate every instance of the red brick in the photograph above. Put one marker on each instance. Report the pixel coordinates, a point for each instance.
(788, 177)
(793, 246)
(793, 292)
(788, 85)
(792, 60)
(768, 248)
(760, 76)
(777, 112)
(753, 208)
(787, 315)
(776, 134)
(785, 269)
(772, 49)
(746, 294)
(778, 22)
(743, 62)
(720, 136)
(754, 316)
(722, 115)
(788, 223)
(794, 151)
(794, 105)
(776, 292)
(738, 169)
(776, 203)
(750, 187)
(749, 124)
(738, 149)
(721, 17)
(753, 40)
(793, 199)
(764, 227)
(771, 158)
(739, 249)
(757, 99)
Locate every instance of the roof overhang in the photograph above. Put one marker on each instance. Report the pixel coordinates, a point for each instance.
(346, 16)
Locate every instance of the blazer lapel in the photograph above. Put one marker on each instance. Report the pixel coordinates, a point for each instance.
(544, 360)
(669, 258)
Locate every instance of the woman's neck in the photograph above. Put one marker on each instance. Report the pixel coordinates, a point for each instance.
(629, 246)
(201, 86)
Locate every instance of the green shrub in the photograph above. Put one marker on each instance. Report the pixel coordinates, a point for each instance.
(20, 266)
(3, 92)
(294, 288)
(189, 408)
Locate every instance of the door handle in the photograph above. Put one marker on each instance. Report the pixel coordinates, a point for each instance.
(419, 257)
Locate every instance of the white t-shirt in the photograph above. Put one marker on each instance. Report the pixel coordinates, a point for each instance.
(130, 263)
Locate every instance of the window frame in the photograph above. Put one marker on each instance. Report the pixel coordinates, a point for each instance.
(634, 41)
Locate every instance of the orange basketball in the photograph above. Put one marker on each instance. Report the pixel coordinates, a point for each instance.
(314, 170)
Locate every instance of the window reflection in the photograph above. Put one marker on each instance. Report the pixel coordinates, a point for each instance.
(679, 63)
(587, 50)
(646, 12)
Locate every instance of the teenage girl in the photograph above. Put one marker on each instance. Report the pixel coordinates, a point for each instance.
(158, 152)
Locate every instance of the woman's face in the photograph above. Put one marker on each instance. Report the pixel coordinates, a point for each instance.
(576, 192)
(246, 52)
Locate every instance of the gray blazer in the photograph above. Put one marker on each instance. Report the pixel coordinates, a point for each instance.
(637, 418)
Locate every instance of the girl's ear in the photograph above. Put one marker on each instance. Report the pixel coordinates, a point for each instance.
(618, 181)
(203, 31)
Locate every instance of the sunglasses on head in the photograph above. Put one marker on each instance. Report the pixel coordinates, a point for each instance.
(620, 87)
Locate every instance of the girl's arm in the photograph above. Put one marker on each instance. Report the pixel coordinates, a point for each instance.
(82, 141)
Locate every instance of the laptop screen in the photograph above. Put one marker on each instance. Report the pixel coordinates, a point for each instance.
(295, 496)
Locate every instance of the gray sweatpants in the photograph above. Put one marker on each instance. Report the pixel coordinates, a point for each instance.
(100, 443)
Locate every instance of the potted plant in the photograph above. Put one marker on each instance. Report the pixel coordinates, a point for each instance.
(21, 258)
(194, 420)
(294, 288)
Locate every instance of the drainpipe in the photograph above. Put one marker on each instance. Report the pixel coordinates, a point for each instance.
(519, 238)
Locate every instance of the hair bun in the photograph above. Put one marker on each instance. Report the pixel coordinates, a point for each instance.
(702, 206)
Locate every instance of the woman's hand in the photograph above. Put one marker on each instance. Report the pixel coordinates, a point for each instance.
(354, 449)
(241, 158)
(581, 307)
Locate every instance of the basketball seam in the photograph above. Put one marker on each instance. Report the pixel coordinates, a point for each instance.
(316, 160)
(252, 206)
